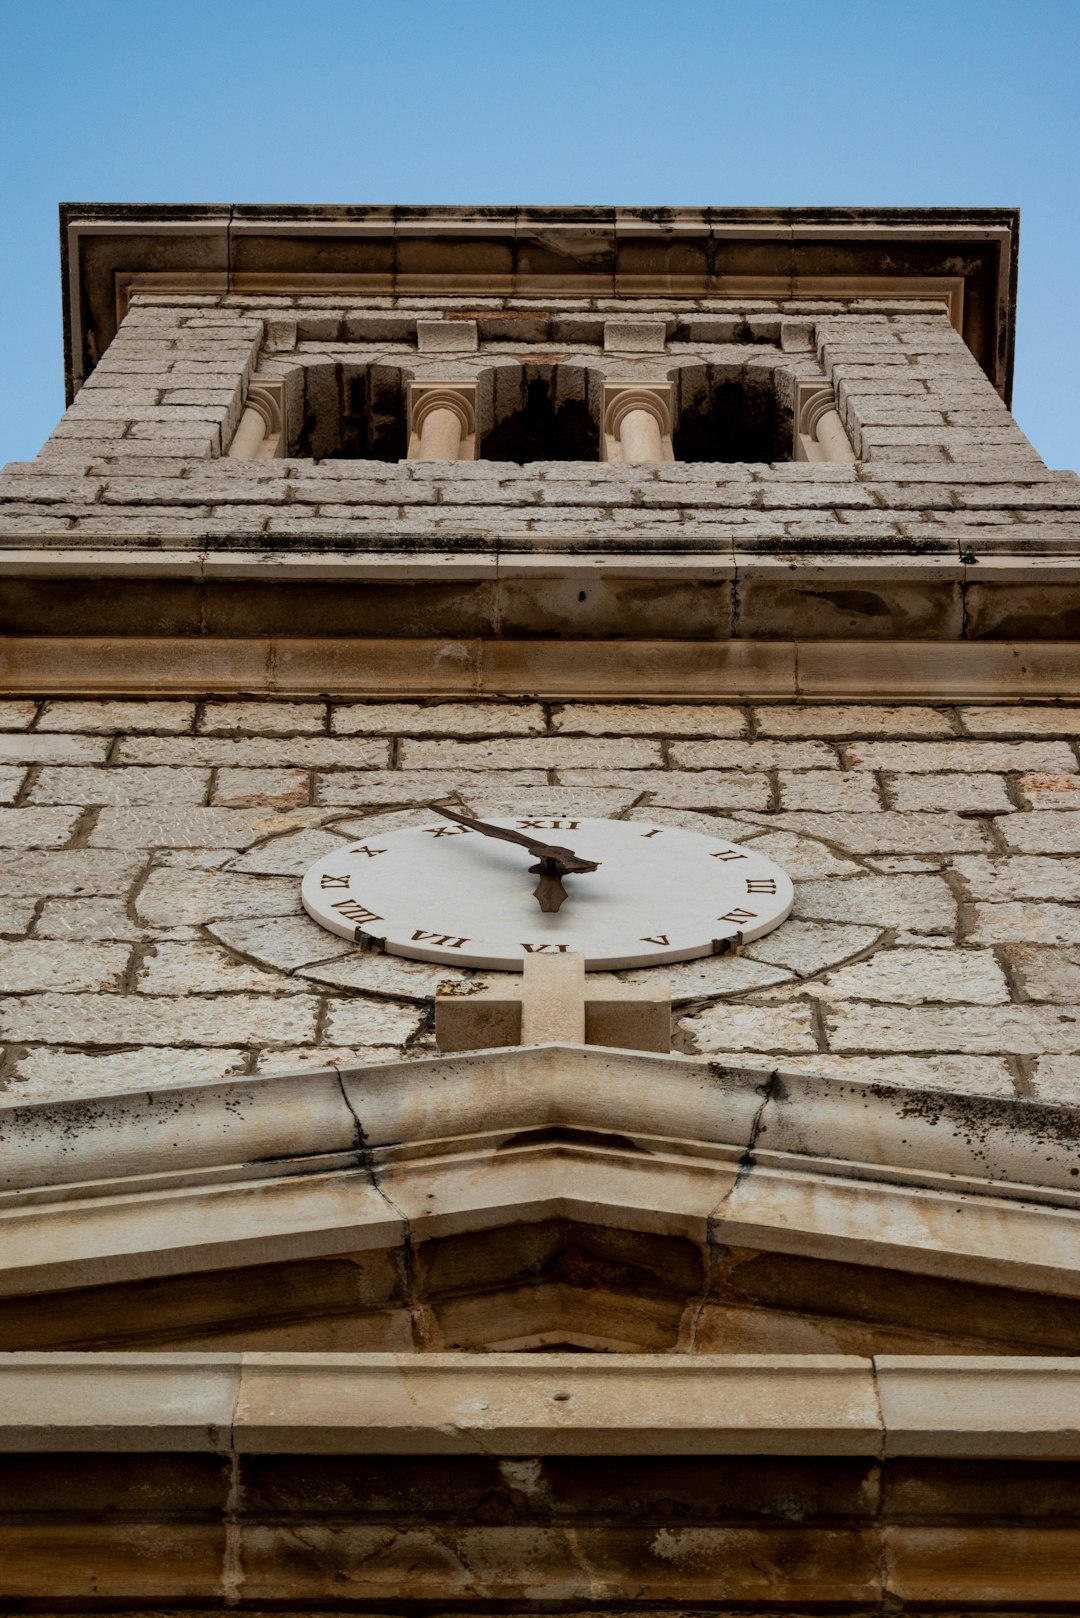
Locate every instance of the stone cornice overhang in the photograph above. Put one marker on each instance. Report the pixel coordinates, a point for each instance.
(169, 1180)
(967, 256)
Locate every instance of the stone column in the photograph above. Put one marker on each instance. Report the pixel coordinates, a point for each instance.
(637, 423)
(442, 421)
(819, 431)
(260, 435)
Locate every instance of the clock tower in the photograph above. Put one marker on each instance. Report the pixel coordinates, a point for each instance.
(539, 948)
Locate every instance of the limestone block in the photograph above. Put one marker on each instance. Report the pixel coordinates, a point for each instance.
(969, 756)
(57, 783)
(827, 789)
(436, 719)
(33, 966)
(16, 714)
(254, 752)
(11, 779)
(1024, 1030)
(1019, 922)
(95, 918)
(1000, 877)
(360, 788)
(175, 898)
(987, 793)
(19, 748)
(175, 828)
(912, 976)
(202, 968)
(372, 1022)
(109, 717)
(772, 1028)
(918, 903)
(806, 947)
(68, 872)
(1046, 973)
(851, 720)
(1043, 834)
(37, 828)
(446, 336)
(629, 336)
(1051, 720)
(1040, 791)
(963, 1075)
(755, 755)
(122, 1402)
(943, 1405)
(888, 832)
(542, 752)
(270, 789)
(116, 1019)
(648, 719)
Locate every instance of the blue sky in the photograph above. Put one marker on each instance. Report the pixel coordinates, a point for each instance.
(933, 102)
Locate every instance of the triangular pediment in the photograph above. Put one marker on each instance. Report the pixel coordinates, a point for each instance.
(541, 1198)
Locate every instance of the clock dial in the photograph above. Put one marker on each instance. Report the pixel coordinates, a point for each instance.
(446, 893)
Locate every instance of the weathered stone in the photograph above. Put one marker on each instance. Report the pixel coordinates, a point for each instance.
(965, 1075)
(1043, 834)
(649, 719)
(202, 968)
(371, 1022)
(1057, 1078)
(11, 779)
(918, 903)
(292, 854)
(1050, 791)
(175, 828)
(683, 789)
(176, 898)
(915, 976)
(932, 757)
(17, 713)
(255, 752)
(46, 1073)
(1023, 1030)
(807, 947)
(59, 783)
(1048, 720)
(436, 719)
(263, 718)
(1002, 877)
(759, 755)
(37, 828)
(827, 789)
(119, 1019)
(538, 753)
(1018, 921)
(87, 918)
(269, 789)
(979, 792)
(802, 858)
(117, 716)
(33, 965)
(889, 832)
(16, 747)
(767, 1029)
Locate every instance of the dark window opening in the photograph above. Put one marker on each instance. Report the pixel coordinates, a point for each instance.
(542, 413)
(352, 413)
(725, 417)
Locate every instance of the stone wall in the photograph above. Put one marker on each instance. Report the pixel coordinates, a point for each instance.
(151, 928)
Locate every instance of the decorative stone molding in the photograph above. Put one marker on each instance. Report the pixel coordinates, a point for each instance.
(442, 421)
(637, 423)
(261, 433)
(819, 432)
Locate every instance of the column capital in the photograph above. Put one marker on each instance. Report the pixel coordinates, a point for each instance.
(459, 399)
(655, 399)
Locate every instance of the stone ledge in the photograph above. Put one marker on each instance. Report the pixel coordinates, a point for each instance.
(887, 672)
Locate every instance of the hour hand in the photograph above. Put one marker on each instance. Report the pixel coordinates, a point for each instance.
(554, 861)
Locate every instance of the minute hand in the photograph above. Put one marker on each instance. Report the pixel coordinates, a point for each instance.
(554, 861)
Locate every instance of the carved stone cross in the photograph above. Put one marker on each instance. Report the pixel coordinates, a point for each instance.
(553, 1006)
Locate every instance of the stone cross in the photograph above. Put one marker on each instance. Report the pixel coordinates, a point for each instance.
(553, 1006)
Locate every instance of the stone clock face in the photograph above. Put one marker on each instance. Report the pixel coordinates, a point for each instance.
(445, 893)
